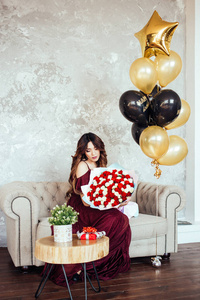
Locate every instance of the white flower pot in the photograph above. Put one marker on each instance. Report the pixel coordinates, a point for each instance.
(62, 233)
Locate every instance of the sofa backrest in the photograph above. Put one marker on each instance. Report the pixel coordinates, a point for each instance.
(50, 194)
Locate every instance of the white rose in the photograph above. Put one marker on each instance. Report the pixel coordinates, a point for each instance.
(112, 201)
(109, 205)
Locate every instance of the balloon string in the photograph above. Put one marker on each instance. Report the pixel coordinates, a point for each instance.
(157, 203)
(158, 172)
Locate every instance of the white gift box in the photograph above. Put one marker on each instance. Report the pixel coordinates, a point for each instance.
(130, 210)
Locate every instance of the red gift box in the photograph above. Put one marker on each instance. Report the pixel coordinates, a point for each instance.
(90, 233)
(88, 236)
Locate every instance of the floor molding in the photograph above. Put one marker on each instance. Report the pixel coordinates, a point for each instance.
(188, 233)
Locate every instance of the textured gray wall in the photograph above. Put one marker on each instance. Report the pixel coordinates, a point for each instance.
(64, 65)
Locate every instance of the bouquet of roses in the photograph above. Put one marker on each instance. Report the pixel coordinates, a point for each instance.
(108, 187)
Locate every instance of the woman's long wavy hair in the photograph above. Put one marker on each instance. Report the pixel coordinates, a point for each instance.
(80, 155)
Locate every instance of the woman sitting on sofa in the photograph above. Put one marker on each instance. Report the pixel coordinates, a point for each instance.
(90, 153)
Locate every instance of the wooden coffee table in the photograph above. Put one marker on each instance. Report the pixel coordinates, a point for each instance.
(76, 251)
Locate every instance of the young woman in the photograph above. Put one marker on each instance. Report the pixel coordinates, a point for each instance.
(90, 153)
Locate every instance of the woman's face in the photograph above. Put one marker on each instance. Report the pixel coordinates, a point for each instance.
(92, 153)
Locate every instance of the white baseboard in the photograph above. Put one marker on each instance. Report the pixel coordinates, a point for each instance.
(188, 234)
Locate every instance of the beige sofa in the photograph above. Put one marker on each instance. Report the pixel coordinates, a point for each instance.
(27, 206)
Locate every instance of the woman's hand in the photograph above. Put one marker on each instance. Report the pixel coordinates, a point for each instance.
(125, 202)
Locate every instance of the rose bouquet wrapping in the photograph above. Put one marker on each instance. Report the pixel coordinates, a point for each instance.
(109, 187)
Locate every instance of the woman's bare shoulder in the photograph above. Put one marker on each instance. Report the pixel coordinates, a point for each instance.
(81, 169)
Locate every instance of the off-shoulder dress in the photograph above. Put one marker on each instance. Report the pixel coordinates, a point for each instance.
(116, 226)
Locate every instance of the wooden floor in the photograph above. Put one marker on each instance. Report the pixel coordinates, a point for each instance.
(178, 278)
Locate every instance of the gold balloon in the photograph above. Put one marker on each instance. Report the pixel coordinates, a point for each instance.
(168, 67)
(176, 152)
(156, 36)
(182, 117)
(154, 141)
(143, 74)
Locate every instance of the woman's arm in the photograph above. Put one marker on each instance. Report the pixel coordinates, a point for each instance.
(81, 170)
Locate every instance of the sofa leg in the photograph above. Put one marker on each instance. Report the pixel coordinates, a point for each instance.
(24, 269)
(166, 256)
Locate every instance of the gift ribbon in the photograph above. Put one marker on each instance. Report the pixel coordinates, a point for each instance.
(89, 229)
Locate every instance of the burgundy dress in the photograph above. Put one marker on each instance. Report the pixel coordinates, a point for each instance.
(116, 226)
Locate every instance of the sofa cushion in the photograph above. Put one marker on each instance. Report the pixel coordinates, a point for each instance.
(147, 226)
(43, 228)
(142, 227)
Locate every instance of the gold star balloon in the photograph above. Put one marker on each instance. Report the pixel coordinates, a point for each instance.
(156, 36)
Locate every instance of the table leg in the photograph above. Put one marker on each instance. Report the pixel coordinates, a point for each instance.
(85, 274)
(97, 278)
(41, 286)
(48, 271)
(67, 282)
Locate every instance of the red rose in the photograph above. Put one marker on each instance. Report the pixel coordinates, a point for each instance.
(120, 185)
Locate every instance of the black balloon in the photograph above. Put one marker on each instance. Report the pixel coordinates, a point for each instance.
(155, 90)
(134, 106)
(165, 107)
(136, 131)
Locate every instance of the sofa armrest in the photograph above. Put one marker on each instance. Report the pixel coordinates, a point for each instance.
(20, 204)
(156, 199)
(162, 201)
(11, 191)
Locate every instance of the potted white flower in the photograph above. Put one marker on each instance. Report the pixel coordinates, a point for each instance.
(62, 218)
